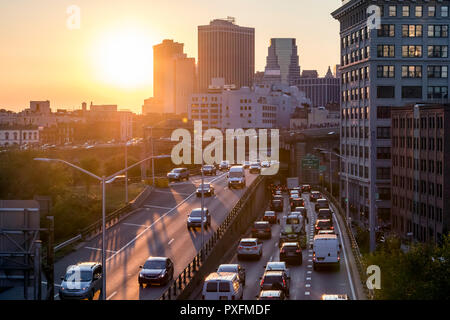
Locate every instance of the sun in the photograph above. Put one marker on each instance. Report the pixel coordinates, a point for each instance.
(124, 58)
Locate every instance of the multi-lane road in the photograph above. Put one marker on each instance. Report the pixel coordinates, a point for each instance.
(157, 229)
(305, 283)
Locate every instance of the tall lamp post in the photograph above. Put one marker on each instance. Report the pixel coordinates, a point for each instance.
(103, 181)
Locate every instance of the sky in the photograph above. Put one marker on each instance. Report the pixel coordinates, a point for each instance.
(105, 56)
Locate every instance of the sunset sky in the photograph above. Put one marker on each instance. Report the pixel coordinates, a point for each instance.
(109, 59)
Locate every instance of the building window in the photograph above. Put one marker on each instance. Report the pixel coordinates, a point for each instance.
(437, 71)
(405, 11)
(383, 112)
(411, 51)
(437, 51)
(411, 30)
(419, 11)
(431, 11)
(436, 92)
(392, 11)
(383, 132)
(411, 92)
(383, 152)
(386, 30)
(385, 71)
(444, 11)
(411, 71)
(383, 173)
(386, 51)
(438, 31)
(385, 92)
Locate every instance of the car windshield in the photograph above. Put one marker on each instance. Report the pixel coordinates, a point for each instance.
(197, 213)
(207, 167)
(269, 214)
(322, 224)
(288, 229)
(155, 264)
(227, 269)
(177, 170)
(292, 221)
(77, 275)
(276, 201)
(272, 279)
(290, 248)
(261, 225)
(235, 174)
(254, 164)
(248, 243)
(275, 266)
(204, 186)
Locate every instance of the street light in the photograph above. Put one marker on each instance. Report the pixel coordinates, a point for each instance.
(103, 180)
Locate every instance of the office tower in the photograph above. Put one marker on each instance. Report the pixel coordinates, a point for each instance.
(420, 171)
(173, 78)
(321, 91)
(404, 61)
(226, 50)
(282, 61)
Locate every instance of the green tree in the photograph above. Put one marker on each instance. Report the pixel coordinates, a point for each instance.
(90, 164)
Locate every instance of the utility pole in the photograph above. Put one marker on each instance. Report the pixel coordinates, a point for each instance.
(126, 172)
(37, 270)
(103, 240)
(50, 273)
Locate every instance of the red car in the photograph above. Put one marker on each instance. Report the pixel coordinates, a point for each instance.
(271, 217)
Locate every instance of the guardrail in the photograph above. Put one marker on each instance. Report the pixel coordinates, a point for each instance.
(179, 283)
(359, 259)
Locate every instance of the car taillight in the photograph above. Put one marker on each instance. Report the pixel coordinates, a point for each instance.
(317, 228)
(282, 251)
(268, 229)
(241, 247)
(332, 228)
(284, 283)
(298, 251)
(314, 253)
(254, 230)
(255, 247)
(262, 282)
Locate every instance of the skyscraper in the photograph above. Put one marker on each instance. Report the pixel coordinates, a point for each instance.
(404, 61)
(173, 77)
(282, 61)
(226, 50)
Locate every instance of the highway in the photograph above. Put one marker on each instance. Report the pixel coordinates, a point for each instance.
(305, 283)
(157, 229)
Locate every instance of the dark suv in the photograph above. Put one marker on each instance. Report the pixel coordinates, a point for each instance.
(209, 170)
(276, 205)
(291, 252)
(156, 270)
(81, 281)
(262, 229)
(324, 214)
(275, 280)
(297, 202)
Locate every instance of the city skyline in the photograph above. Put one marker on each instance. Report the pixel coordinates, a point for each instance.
(81, 68)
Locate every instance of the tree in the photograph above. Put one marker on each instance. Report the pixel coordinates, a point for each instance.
(92, 165)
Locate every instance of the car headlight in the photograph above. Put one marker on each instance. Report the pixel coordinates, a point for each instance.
(141, 275)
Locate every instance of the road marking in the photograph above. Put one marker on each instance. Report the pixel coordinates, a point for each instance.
(309, 266)
(270, 258)
(170, 242)
(307, 285)
(156, 221)
(309, 260)
(134, 225)
(307, 293)
(112, 295)
(99, 249)
(308, 278)
(309, 271)
(346, 262)
(180, 193)
(276, 243)
(157, 207)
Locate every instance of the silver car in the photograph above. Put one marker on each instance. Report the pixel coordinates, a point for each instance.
(194, 219)
(81, 281)
(249, 247)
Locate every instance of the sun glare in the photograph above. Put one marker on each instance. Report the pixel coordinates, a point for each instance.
(124, 58)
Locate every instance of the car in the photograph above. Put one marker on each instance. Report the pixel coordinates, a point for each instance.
(236, 268)
(294, 193)
(265, 164)
(271, 295)
(321, 204)
(277, 266)
(297, 202)
(278, 192)
(288, 234)
(178, 174)
(306, 188)
(278, 197)
(246, 164)
(314, 195)
(276, 205)
(194, 219)
(236, 177)
(209, 170)
(275, 280)
(222, 286)
(156, 270)
(291, 252)
(303, 211)
(224, 165)
(325, 224)
(325, 214)
(297, 222)
(271, 217)
(255, 167)
(261, 229)
(81, 281)
(326, 251)
(249, 247)
(207, 189)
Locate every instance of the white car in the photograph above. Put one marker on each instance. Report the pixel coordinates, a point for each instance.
(255, 167)
(265, 164)
(249, 247)
(277, 266)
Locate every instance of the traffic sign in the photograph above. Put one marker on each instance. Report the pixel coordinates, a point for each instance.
(310, 162)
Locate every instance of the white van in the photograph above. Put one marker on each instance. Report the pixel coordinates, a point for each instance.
(236, 177)
(222, 286)
(326, 251)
